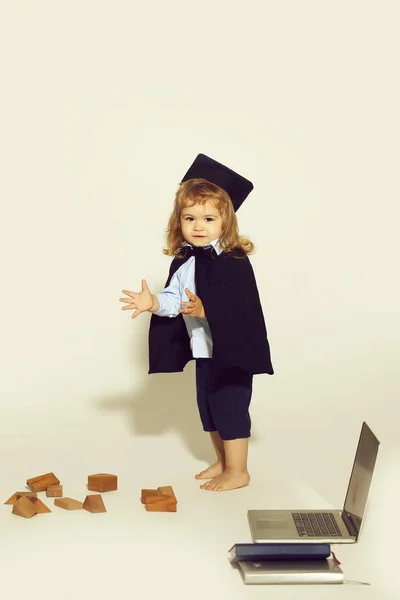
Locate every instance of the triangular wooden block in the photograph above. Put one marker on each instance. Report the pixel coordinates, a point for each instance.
(41, 508)
(167, 491)
(94, 504)
(24, 508)
(29, 495)
(18, 495)
(68, 503)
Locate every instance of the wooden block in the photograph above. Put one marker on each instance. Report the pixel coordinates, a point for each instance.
(166, 504)
(41, 483)
(54, 491)
(152, 496)
(68, 503)
(18, 495)
(147, 494)
(40, 506)
(24, 508)
(167, 491)
(94, 504)
(154, 499)
(29, 495)
(102, 482)
(162, 499)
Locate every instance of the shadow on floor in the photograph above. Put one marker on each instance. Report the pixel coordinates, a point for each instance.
(165, 403)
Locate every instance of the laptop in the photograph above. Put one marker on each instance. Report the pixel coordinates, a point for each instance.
(323, 526)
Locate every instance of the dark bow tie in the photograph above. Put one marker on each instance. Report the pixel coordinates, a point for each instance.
(199, 251)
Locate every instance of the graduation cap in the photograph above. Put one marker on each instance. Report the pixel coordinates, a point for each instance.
(234, 184)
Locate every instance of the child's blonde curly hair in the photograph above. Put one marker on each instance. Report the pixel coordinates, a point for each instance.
(199, 191)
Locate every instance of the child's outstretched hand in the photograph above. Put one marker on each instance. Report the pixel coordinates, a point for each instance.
(194, 308)
(138, 301)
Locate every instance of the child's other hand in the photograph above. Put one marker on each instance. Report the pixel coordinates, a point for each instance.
(194, 308)
(138, 301)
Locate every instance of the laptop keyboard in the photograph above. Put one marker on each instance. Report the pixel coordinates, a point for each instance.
(316, 524)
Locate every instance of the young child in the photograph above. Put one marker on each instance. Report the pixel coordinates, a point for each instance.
(210, 311)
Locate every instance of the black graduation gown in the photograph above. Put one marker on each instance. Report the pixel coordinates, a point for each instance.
(233, 310)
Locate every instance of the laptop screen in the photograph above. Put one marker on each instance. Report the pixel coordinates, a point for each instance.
(361, 476)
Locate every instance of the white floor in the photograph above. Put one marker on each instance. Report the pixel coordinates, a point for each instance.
(127, 551)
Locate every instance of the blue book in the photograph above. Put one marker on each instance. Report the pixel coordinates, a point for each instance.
(265, 552)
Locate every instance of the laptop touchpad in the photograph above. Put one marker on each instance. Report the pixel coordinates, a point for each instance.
(272, 523)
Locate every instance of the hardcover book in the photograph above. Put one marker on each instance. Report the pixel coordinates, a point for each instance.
(263, 552)
(323, 571)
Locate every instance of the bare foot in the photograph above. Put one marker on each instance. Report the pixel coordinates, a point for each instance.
(227, 481)
(215, 469)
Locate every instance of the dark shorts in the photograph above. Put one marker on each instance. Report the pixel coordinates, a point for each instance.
(224, 403)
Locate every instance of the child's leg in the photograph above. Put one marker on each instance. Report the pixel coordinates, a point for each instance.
(235, 474)
(229, 405)
(203, 380)
(218, 467)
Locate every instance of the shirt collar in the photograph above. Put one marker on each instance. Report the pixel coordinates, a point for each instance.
(214, 243)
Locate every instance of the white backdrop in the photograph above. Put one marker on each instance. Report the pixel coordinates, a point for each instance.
(104, 105)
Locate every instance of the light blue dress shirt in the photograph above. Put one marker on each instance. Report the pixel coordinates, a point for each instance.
(170, 302)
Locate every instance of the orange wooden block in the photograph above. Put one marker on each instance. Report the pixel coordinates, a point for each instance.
(41, 483)
(154, 499)
(147, 494)
(40, 506)
(24, 508)
(162, 499)
(94, 504)
(102, 482)
(18, 495)
(30, 495)
(68, 503)
(54, 491)
(167, 491)
(166, 504)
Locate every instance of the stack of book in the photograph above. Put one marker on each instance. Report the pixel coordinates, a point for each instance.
(286, 563)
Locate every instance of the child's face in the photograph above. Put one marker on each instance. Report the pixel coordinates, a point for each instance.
(201, 224)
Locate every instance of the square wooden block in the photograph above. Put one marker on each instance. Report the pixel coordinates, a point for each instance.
(102, 482)
(54, 491)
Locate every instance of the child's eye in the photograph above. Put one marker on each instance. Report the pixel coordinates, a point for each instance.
(208, 219)
(188, 218)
